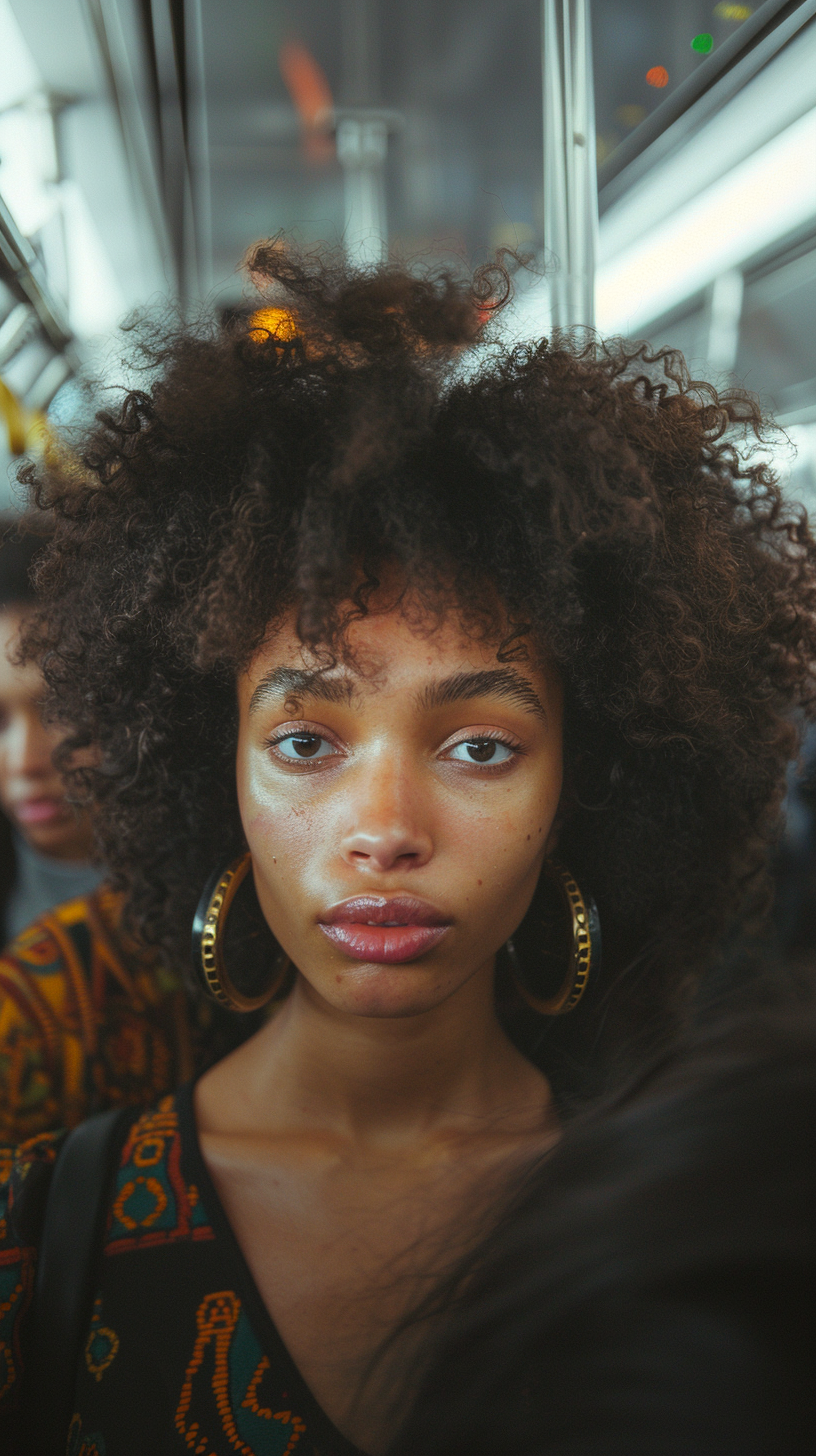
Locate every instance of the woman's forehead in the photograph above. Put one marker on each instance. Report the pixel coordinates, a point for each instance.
(393, 651)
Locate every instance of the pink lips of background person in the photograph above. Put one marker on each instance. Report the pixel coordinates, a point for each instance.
(386, 932)
(38, 811)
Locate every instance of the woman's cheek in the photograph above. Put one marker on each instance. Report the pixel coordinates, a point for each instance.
(288, 841)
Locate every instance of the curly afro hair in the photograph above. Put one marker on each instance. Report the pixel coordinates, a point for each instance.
(360, 420)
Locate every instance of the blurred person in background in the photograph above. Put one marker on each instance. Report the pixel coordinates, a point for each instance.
(87, 1019)
(795, 859)
(46, 843)
(390, 641)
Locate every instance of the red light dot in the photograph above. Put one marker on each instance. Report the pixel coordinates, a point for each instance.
(658, 76)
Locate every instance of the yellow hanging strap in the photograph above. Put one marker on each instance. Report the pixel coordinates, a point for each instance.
(16, 423)
(26, 429)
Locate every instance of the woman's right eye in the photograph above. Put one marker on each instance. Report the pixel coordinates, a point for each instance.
(303, 747)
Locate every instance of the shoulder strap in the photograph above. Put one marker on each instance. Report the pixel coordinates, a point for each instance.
(63, 1290)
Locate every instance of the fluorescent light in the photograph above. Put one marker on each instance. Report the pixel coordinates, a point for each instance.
(18, 73)
(769, 194)
(95, 299)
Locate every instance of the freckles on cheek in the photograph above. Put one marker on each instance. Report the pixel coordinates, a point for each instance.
(285, 837)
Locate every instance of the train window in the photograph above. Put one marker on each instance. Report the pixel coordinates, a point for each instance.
(645, 52)
(708, 235)
(654, 64)
(778, 329)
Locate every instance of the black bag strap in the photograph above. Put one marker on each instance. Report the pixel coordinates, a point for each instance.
(64, 1284)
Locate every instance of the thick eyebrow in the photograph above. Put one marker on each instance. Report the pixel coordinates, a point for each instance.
(504, 682)
(499, 682)
(290, 682)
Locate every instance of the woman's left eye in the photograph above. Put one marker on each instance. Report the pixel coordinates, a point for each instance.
(481, 750)
(303, 747)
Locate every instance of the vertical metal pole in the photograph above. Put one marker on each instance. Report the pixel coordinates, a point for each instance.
(199, 149)
(570, 177)
(362, 138)
(362, 144)
(724, 315)
(360, 53)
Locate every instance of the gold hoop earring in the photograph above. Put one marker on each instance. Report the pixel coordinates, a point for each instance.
(558, 944)
(245, 940)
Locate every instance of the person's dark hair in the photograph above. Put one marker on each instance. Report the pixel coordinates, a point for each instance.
(593, 488)
(653, 1288)
(19, 546)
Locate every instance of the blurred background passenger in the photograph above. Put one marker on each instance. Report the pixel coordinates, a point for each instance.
(653, 1291)
(87, 1021)
(46, 842)
(795, 863)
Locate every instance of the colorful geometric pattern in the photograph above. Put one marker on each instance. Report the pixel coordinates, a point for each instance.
(17, 1256)
(86, 1021)
(84, 1444)
(90, 1021)
(102, 1344)
(152, 1204)
(228, 1364)
(172, 1342)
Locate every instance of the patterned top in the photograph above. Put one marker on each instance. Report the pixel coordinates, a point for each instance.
(88, 1021)
(181, 1355)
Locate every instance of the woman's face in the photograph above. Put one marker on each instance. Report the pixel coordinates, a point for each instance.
(398, 811)
(32, 793)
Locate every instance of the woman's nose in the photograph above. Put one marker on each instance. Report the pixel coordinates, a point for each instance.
(29, 746)
(386, 830)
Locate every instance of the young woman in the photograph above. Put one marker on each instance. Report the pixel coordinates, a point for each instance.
(437, 641)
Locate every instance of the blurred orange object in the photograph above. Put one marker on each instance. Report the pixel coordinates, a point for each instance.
(312, 98)
(277, 321)
(658, 76)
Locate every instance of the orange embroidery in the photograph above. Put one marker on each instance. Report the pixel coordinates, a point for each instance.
(149, 1151)
(250, 1400)
(8, 1374)
(152, 1185)
(102, 1344)
(8, 1369)
(299, 1425)
(216, 1319)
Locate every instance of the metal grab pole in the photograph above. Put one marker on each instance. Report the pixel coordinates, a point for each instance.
(570, 177)
(362, 145)
(362, 137)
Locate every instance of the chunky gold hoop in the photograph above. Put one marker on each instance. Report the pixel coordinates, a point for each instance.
(584, 952)
(208, 934)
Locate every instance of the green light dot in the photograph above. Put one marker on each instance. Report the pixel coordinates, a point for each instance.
(703, 43)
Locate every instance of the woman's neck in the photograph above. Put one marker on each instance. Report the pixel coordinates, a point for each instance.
(385, 1080)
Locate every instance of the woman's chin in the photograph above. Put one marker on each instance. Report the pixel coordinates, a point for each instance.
(55, 839)
(387, 990)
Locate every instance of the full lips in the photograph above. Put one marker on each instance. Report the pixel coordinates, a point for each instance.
(39, 811)
(383, 944)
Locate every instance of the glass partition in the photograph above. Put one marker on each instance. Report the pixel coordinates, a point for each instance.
(644, 53)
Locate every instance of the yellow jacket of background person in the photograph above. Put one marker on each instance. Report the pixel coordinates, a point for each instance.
(88, 1021)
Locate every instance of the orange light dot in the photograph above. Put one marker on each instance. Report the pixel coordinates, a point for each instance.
(277, 321)
(658, 76)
